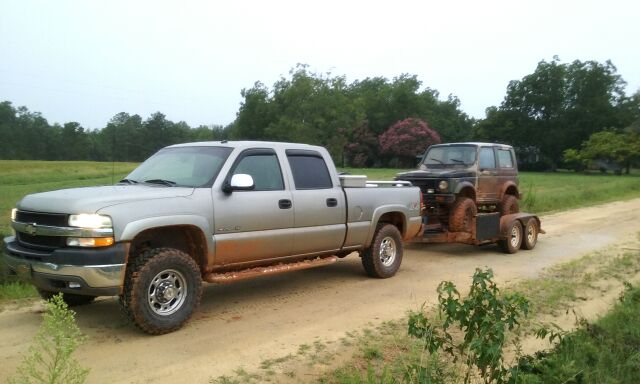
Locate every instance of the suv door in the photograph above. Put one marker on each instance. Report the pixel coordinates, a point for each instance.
(507, 167)
(487, 176)
(319, 205)
(255, 224)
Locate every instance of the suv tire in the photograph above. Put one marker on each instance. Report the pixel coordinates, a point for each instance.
(508, 205)
(462, 213)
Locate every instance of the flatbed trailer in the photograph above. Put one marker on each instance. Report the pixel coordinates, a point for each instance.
(511, 232)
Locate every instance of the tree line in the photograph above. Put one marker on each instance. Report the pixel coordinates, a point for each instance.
(370, 122)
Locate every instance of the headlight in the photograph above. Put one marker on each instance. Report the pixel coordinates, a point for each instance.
(13, 214)
(93, 220)
(443, 185)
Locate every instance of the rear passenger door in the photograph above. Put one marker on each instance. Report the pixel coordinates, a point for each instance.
(487, 176)
(256, 224)
(508, 170)
(319, 206)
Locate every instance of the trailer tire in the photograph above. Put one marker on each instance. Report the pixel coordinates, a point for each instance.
(530, 234)
(514, 238)
(162, 289)
(462, 213)
(71, 299)
(383, 258)
(508, 205)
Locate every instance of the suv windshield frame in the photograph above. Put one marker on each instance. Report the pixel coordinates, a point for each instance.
(445, 156)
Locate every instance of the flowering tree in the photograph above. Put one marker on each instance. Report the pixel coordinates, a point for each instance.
(407, 139)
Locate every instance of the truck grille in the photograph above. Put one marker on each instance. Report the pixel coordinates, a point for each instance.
(51, 219)
(48, 243)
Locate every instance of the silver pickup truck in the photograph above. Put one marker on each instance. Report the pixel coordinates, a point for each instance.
(216, 212)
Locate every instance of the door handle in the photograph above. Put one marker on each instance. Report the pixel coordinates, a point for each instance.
(331, 202)
(285, 204)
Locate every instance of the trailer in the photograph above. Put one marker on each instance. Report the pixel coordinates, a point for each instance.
(511, 232)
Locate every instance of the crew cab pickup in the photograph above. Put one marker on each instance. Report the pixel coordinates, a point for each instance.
(213, 211)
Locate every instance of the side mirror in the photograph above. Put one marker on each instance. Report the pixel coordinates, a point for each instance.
(239, 182)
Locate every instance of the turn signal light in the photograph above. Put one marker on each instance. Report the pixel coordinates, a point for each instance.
(89, 241)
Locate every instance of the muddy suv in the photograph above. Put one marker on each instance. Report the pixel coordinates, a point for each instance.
(459, 179)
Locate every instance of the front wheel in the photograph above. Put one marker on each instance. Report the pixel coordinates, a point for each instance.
(162, 289)
(383, 258)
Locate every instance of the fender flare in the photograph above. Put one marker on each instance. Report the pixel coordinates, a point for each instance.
(377, 214)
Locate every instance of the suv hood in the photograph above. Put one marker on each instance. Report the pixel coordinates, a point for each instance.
(445, 173)
(91, 199)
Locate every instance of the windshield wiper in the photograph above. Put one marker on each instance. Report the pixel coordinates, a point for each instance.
(168, 183)
(128, 181)
(458, 161)
(439, 161)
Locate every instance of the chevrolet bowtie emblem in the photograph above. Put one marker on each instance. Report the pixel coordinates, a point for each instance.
(31, 229)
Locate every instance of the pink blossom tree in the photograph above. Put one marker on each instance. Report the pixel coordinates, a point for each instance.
(407, 139)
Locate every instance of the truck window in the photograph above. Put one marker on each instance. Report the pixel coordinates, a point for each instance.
(487, 158)
(504, 158)
(264, 169)
(309, 170)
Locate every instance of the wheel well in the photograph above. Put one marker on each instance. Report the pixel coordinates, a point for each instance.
(395, 218)
(511, 190)
(468, 192)
(186, 238)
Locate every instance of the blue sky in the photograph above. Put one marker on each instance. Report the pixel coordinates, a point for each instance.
(86, 61)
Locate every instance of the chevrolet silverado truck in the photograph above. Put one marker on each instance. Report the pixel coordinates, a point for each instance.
(215, 212)
(470, 194)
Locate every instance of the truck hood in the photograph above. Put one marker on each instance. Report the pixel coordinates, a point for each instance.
(445, 173)
(91, 199)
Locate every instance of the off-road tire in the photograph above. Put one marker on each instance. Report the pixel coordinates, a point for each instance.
(530, 234)
(514, 238)
(383, 258)
(461, 216)
(71, 299)
(148, 276)
(508, 205)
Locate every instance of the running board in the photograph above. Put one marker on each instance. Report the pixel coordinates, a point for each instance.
(228, 277)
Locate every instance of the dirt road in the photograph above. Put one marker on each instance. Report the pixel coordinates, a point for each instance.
(245, 323)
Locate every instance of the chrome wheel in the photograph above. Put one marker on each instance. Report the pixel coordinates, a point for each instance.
(387, 251)
(167, 292)
(515, 236)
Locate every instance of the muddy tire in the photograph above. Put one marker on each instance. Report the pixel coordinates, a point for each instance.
(162, 289)
(461, 216)
(383, 258)
(514, 238)
(530, 234)
(71, 299)
(508, 205)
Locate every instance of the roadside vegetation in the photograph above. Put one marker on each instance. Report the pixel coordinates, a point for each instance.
(484, 336)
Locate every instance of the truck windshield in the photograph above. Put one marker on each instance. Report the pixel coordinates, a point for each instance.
(450, 156)
(180, 167)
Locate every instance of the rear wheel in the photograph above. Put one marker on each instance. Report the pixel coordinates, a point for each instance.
(514, 238)
(162, 289)
(383, 258)
(71, 299)
(508, 205)
(461, 216)
(530, 235)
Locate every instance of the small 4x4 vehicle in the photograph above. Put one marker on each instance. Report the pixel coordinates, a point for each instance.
(459, 179)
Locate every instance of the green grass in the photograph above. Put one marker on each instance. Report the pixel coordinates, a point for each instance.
(20, 178)
(17, 291)
(549, 192)
(607, 351)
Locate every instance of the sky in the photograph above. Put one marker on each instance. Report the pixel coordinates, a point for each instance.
(85, 61)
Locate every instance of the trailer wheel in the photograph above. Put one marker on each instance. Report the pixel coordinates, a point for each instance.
(462, 214)
(514, 238)
(162, 288)
(530, 235)
(383, 258)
